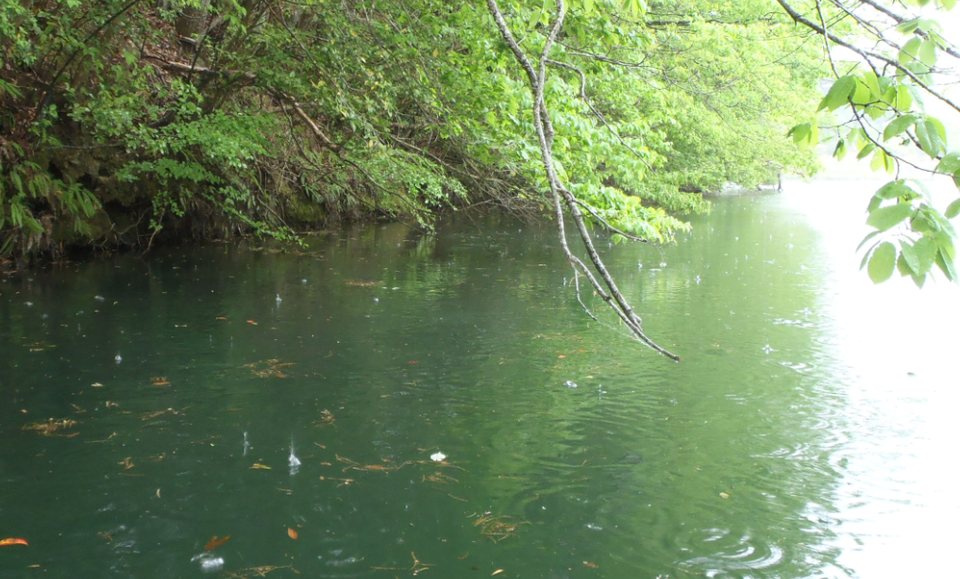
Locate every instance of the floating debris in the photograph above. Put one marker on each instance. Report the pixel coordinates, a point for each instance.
(117, 358)
(51, 427)
(438, 456)
(570, 384)
(387, 466)
(326, 419)
(416, 568)
(268, 368)
(497, 528)
(215, 542)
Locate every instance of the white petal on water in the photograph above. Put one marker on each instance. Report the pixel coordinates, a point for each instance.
(438, 456)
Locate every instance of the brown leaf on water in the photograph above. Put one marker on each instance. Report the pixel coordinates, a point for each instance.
(110, 404)
(215, 542)
(260, 466)
(497, 572)
(292, 534)
(591, 565)
(126, 464)
(159, 381)
(13, 541)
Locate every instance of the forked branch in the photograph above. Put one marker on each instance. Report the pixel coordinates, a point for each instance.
(564, 202)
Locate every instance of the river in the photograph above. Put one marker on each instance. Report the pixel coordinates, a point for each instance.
(384, 403)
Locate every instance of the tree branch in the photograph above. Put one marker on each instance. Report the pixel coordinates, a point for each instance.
(563, 199)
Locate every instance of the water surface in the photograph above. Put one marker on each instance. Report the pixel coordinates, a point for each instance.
(149, 405)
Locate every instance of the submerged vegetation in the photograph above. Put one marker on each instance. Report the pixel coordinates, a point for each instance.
(125, 121)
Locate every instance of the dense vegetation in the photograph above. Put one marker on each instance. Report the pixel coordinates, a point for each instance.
(123, 122)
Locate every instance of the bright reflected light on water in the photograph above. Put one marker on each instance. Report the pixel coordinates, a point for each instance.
(897, 502)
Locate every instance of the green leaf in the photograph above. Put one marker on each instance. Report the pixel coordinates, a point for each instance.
(869, 79)
(896, 190)
(925, 250)
(952, 210)
(949, 164)
(909, 52)
(886, 217)
(899, 125)
(882, 262)
(928, 52)
(839, 93)
(947, 266)
(909, 254)
(866, 150)
(841, 150)
(805, 135)
(903, 266)
(908, 26)
(867, 238)
(930, 138)
(948, 4)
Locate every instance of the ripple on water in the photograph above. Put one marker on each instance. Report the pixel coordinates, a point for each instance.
(733, 554)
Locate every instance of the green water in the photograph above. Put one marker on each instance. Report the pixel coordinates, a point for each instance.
(808, 432)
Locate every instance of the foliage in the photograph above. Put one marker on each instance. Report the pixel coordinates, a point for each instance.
(124, 120)
(885, 84)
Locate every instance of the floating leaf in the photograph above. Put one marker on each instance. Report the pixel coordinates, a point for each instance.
(214, 542)
(591, 565)
(252, 322)
(13, 541)
(260, 466)
(724, 496)
(291, 533)
(497, 572)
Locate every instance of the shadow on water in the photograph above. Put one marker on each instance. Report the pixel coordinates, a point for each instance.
(448, 406)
